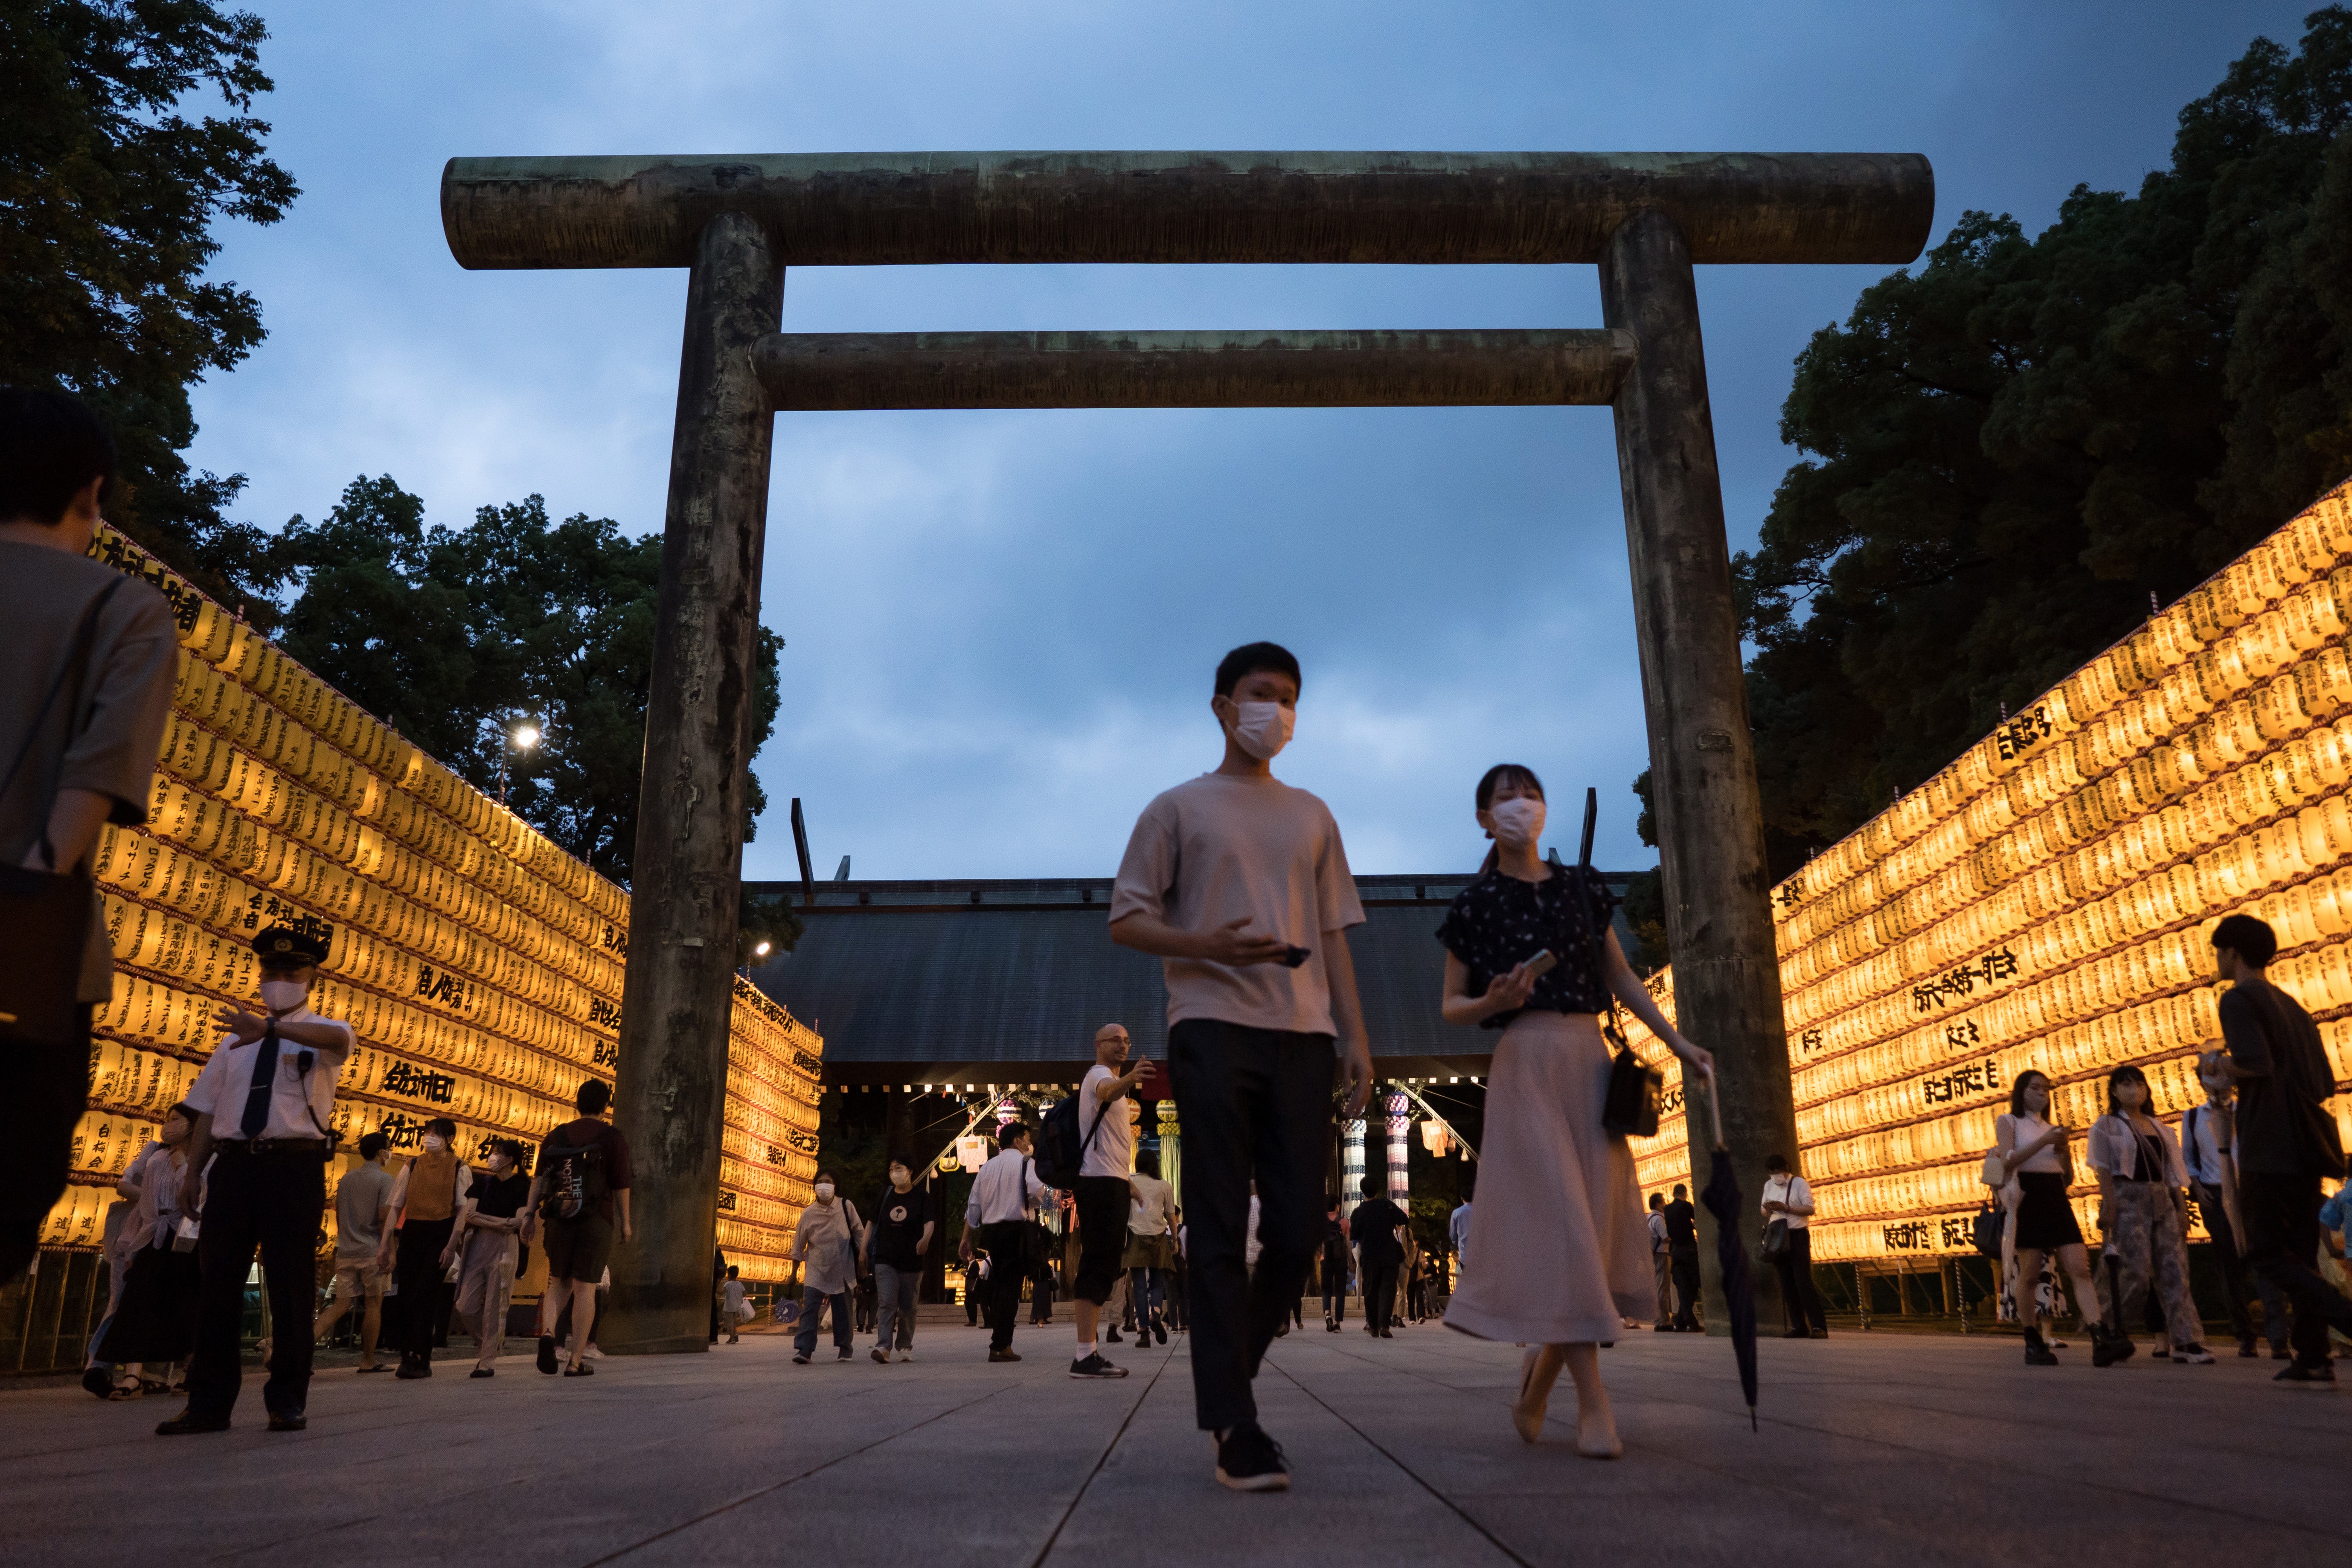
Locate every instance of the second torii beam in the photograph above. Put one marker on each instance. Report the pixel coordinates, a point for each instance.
(1191, 370)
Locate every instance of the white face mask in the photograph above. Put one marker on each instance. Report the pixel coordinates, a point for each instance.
(283, 995)
(824, 1189)
(1262, 729)
(435, 1142)
(1517, 821)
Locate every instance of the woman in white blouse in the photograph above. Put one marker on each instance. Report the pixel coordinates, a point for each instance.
(2144, 1216)
(2039, 1168)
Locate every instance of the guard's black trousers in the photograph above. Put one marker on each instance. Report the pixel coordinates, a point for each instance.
(1258, 1103)
(273, 1201)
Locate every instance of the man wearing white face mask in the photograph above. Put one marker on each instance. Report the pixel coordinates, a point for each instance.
(1240, 885)
(427, 1199)
(262, 1104)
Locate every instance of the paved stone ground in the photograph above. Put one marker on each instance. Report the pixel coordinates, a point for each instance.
(1873, 1450)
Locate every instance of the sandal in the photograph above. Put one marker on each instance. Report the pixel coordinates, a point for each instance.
(583, 1369)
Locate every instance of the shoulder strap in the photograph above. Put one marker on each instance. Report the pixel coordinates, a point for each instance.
(75, 653)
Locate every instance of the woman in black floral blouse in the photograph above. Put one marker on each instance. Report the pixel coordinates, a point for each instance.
(1559, 1253)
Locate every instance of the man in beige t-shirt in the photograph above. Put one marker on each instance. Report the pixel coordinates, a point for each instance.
(91, 658)
(1240, 885)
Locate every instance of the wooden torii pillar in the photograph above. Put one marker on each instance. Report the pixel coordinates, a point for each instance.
(1646, 219)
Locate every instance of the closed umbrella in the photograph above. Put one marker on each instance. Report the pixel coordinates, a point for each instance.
(1722, 1200)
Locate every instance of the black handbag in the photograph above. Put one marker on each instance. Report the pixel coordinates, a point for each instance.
(44, 915)
(1635, 1087)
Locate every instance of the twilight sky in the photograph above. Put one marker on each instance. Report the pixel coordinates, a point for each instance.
(1000, 626)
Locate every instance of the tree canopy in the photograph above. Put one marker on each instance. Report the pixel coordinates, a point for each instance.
(107, 199)
(2010, 453)
(457, 636)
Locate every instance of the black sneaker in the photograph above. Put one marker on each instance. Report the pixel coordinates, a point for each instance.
(547, 1354)
(1095, 1366)
(287, 1421)
(1111, 1337)
(2298, 1375)
(188, 1421)
(1250, 1461)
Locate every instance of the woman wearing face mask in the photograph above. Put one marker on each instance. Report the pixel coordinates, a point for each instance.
(488, 1226)
(154, 1324)
(1563, 1250)
(2036, 1158)
(2144, 1216)
(425, 1201)
(825, 1244)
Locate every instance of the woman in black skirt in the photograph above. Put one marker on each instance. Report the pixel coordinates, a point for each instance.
(2042, 1168)
(155, 1322)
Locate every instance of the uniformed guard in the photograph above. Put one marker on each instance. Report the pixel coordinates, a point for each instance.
(262, 1104)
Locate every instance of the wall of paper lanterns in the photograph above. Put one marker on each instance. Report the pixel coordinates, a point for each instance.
(480, 964)
(2046, 900)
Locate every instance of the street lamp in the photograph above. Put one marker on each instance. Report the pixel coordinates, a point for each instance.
(522, 737)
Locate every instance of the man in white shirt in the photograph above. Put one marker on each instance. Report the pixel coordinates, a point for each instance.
(1661, 1263)
(1240, 885)
(1788, 1197)
(2204, 1149)
(1107, 1145)
(262, 1103)
(1003, 1195)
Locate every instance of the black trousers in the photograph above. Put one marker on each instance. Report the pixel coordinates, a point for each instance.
(1798, 1297)
(1380, 1292)
(1258, 1103)
(2235, 1277)
(274, 1202)
(1335, 1288)
(2282, 1216)
(1687, 1289)
(417, 1269)
(1002, 1285)
(48, 1091)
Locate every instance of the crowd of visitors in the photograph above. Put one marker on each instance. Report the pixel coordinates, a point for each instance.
(1239, 884)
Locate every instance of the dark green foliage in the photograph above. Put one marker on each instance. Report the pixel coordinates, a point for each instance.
(456, 636)
(108, 197)
(2009, 449)
(1645, 911)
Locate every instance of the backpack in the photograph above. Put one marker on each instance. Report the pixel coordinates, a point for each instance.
(575, 1178)
(1060, 1150)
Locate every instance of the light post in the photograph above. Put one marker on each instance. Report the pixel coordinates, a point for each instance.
(522, 737)
(758, 952)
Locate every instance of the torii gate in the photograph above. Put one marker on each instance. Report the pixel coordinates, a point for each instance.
(736, 223)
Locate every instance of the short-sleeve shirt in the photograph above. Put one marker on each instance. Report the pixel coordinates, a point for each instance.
(103, 730)
(1375, 1223)
(898, 1221)
(300, 1101)
(1498, 922)
(579, 1134)
(2282, 1127)
(1111, 1149)
(1224, 846)
(359, 1198)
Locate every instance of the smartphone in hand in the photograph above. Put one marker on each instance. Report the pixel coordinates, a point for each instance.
(1542, 963)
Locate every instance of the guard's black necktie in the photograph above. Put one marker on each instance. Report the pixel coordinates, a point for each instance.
(264, 1074)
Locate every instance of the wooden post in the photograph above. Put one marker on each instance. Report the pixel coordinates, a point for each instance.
(683, 897)
(1702, 761)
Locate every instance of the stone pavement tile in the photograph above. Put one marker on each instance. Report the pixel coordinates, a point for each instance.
(985, 1483)
(1157, 1500)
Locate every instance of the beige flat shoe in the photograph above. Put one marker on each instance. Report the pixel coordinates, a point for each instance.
(1593, 1447)
(1529, 1417)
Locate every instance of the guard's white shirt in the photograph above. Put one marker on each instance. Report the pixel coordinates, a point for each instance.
(220, 1088)
(1006, 1188)
(1789, 1190)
